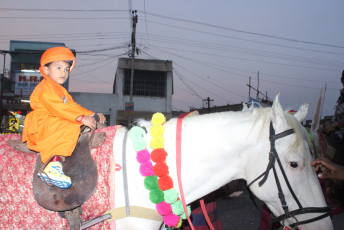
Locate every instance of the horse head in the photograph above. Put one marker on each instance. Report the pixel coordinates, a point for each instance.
(288, 183)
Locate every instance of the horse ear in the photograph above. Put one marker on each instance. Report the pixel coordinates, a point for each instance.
(277, 113)
(244, 107)
(301, 114)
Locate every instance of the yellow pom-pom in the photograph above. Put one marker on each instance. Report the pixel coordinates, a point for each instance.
(157, 142)
(157, 130)
(158, 119)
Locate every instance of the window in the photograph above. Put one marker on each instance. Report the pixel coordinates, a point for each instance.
(146, 83)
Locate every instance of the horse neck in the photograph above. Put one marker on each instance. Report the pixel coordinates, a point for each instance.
(215, 148)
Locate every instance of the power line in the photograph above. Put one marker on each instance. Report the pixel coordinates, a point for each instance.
(63, 18)
(245, 32)
(167, 17)
(235, 74)
(60, 10)
(101, 50)
(236, 38)
(296, 59)
(144, 7)
(211, 82)
(188, 42)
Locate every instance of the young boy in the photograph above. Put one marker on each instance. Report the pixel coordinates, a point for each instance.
(52, 128)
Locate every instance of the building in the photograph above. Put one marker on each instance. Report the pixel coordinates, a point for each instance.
(152, 92)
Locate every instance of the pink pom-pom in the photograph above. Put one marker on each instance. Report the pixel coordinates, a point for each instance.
(164, 208)
(171, 220)
(146, 169)
(143, 156)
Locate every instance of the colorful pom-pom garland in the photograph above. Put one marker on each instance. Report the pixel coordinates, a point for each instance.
(157, 179)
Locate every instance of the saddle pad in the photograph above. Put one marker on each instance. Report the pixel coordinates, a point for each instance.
(18, 208)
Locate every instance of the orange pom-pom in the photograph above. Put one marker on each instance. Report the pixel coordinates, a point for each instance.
(165, 183)
(160, 169)
(158, 155)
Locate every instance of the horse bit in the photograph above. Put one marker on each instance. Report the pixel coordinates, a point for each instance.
(273, 156)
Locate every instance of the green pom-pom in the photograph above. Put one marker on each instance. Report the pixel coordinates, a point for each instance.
(135, 132)
(171, 196)
(135, 135)
(177, 207)
(156, 196)
(139, 144)
(188, 209)
(151, 182)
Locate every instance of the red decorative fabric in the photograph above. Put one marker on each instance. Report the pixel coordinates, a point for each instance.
(212, 212)
(18, 208)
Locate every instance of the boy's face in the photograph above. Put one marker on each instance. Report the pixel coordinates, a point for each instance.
(58, 71)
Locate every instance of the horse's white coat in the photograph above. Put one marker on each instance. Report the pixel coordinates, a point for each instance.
(221, 147)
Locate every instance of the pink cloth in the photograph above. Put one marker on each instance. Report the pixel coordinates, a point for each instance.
(18, 208)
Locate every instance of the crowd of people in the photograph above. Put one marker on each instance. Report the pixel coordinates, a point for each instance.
(333, 169)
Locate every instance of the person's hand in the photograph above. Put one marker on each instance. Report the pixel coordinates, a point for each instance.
(102, 118)
(89, 121)
(329, 170)
(329, 127)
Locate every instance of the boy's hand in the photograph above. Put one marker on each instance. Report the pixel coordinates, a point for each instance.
(102, 118)
(89, 121)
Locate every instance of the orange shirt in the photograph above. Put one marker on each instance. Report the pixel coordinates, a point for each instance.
(51, 128)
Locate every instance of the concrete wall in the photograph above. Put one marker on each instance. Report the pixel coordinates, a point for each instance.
(98, 102)
(144, 106)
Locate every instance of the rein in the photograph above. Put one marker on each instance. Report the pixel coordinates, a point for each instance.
(179, 162)
(273, 156)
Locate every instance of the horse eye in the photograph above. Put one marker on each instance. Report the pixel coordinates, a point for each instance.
(293, 164)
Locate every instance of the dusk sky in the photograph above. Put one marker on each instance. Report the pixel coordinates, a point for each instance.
(215, 46)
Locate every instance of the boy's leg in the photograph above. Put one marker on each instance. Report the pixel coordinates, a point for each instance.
(53, 173)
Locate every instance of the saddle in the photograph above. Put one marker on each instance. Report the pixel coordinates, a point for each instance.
(82, 170)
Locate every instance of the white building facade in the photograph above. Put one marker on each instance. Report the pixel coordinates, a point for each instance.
(152, 92)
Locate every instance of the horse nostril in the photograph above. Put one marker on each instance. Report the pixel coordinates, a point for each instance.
(293, 164)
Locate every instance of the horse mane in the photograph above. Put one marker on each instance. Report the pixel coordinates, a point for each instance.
(300, 135)
(263, 118)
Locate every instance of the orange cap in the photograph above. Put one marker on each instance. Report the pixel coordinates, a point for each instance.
(57, 54)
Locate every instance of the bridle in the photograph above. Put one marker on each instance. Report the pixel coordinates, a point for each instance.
(273, 156)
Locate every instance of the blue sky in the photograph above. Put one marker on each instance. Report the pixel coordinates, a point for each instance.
(215, 46)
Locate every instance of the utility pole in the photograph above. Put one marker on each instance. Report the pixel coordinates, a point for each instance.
(2, 88)
(257, 87)
(249, 89)
(208, 100)
(133, 50)
(257, 90)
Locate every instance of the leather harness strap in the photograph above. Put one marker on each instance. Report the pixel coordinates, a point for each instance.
(135, 211)
(125, 176)
(179, 164)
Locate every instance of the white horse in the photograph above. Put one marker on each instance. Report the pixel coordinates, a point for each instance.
(221, 147)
